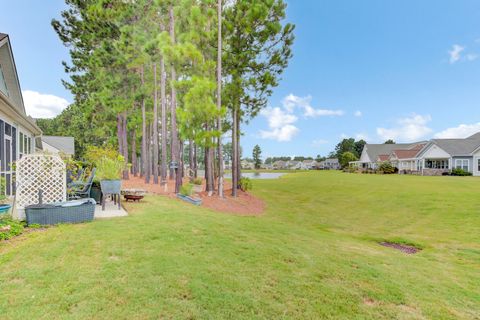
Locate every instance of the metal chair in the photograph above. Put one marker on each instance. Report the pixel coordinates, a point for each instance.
(78, 190)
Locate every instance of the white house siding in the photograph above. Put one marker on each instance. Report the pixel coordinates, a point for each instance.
(469, 159)
(435, 152)
(476, 163)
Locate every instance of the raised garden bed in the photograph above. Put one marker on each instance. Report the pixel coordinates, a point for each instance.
(189, 199)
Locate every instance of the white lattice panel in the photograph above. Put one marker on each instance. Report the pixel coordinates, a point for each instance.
(46, 172)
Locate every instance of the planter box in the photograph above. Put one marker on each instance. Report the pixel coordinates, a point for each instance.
(96, 193)
(67, 212)
(111, 186)
(4, 208)
(189, 199)
(197, 188)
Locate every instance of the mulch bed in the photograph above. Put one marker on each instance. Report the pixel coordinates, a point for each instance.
(244, 204)
(401, 247)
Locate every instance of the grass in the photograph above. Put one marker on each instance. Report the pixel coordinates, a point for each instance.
(312, 255)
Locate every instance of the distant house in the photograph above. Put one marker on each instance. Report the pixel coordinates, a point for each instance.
(433, 157)
(60, 145)
(245, 164)
(294, 165)
(279, 165)
(309, 164)
(329, 164)
(18, 131)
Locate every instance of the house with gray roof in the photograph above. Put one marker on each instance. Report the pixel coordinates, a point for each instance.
(60, 145)
(434, 157)
(18, 131)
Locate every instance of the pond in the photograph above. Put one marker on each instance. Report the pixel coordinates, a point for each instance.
(262, 175)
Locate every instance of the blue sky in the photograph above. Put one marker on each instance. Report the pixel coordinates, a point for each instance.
(407, 70)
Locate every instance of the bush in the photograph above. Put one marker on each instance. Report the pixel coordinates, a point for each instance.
(198, 181)
(110, 169)
(387, 168)
(186, 189)
(460, 172)
(11, 228)
(245, 184)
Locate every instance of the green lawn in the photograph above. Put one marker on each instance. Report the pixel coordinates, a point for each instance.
(312, 255)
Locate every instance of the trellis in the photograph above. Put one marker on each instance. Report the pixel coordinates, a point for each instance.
(35, 172)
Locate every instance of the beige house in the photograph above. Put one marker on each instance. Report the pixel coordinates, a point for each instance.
(18, 131)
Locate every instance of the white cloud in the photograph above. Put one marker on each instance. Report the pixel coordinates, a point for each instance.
(280, 123)
(361, 136)
(471, 57)
(292, 101)
(39, 105)
(319, 142)
(456, 53)
(407, 129)
(358, 113)
(283, 134)
(462, 131)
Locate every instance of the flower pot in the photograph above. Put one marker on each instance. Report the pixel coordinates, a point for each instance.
(111, 186)
(197, 188)
(4, 208)
(96, 193)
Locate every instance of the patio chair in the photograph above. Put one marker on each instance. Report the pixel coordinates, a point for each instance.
(71, 179)
(78, 190)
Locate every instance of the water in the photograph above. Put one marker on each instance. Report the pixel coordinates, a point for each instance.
(262, 175)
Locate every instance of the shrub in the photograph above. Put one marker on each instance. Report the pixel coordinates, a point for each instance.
(3, 183)
(110, 169)
(197, 181)
(245, 184)
(460, 172)
(11, 228)
(94, 154)
(186, 189)
(387, 168)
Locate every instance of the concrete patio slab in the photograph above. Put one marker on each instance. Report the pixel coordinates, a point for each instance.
(111, 211)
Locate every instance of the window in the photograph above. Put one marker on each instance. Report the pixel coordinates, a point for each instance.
(462, 164)
(25, 144)
(8, 129)
(436, 164)
(3, 83)
(478, 165)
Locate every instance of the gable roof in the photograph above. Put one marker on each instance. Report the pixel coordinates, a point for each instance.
(375, 150)
(383, 157)
(457, 146)
(410, 153)
(63, 144)
(14, 100)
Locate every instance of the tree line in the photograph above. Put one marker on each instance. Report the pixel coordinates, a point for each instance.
(164, 80)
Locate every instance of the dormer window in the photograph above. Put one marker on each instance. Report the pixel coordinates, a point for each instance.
(3, 83)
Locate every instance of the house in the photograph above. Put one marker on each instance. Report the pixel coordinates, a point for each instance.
(18, 131)
(309, 164)
(60, 145)
(279, 165)
(434, 157)
(329, 164)
(246, 164)
(294, 165)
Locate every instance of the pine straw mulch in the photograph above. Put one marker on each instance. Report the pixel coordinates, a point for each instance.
(244, 204)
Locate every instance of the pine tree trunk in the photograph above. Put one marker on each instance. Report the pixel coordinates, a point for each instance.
(195, 162)
(219, 101)
(125, 145)
(143, 153)
(163, 171)
(134, 153)
(190, 158)
(234, 153)
(239, 153)
(147, 154)
(119, 133)
(155, 126)
(175, 142)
